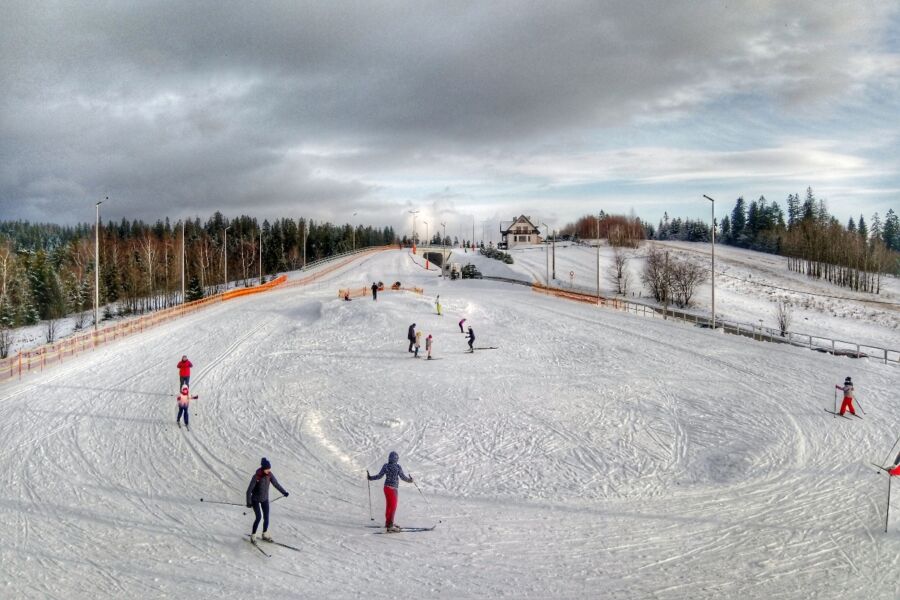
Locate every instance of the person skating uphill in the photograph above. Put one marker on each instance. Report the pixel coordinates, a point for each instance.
(847, 404)
(428, 343)
(258, 497)
(461, 321)
(184, 371)
(184, 401)
(471, 339)
(374, 291)
(418, 344)
(392, 473)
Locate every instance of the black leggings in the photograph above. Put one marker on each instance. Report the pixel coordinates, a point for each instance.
(264, 515)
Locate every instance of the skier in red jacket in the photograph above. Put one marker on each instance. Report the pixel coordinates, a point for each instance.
(184, 371)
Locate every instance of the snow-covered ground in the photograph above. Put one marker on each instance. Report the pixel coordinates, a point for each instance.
(593, 454)
(748, 286)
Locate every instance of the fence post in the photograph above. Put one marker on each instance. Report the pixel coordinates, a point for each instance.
(832, 347)
(810, 341)
(885, 355)
(857, 351)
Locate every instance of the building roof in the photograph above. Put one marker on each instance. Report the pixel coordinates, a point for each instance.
(519, 220)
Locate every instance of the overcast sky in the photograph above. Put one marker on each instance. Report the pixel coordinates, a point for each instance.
(462, 110)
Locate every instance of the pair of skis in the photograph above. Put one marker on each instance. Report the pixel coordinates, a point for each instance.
(837, 414)
(266, 554)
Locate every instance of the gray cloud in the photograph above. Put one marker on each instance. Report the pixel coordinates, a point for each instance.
(272, 108)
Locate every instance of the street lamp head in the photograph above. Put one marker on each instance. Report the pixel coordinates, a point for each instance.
(708, 198)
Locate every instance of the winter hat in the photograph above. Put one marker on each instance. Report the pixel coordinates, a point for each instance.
(848, 380)
(184, 388)
(265, 464)
(393, 457)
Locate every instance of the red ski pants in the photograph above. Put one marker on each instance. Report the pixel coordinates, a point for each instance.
(846, 405)
(390, 505)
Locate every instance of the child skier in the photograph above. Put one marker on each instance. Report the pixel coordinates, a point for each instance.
(418, 343)
(184, 370)
(258, 497)
(471, 339)
(461, 321)
(437, 304)
(374, 291)
(428, 346)
(411, 336)
(847, 404)
(391, 471)
(184, 400)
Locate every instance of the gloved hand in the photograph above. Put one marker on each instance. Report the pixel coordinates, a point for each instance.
(249, 505)
(286, 494)
(367, 474)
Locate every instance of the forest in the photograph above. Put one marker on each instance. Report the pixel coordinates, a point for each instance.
(47, 271)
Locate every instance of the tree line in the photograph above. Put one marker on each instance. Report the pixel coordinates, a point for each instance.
(47, 271)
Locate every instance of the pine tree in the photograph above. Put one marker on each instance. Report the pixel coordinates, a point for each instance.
(194, 290)
(793, 208)
(808, 210)
(738, 221)
(862, 228)
(890, 232)
(851, 225)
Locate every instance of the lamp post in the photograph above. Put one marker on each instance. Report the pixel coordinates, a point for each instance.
(443, 255)
(97, 265)
(260, 255)
(183, 223)
(547, 253)
(598, 259)
(713, 267)
(414, 213)
(305, 233)
(225, 253)
(353, 229)
(427, 239)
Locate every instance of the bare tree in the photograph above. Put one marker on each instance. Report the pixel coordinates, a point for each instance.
(784, 316)
(618, 273)
(685, 277)
(656, 274)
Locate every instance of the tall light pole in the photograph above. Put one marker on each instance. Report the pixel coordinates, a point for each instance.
(183, 223)
(414, 213)
(713, 268)
(305, 233)
(473, 232)
(443, 255)
(427, 239)
(97, 266)
(547, 253)
(598, 259)
(260, 255)
(353, 229)
(225, 252)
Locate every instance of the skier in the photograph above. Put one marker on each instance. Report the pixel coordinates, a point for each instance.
(437, 304)
(258, 497)
(428, 346)
(847, 404)
(418, 343)
(184, 400)
(461, 321)
(374, 291)
(471, 339)
(391, 471)
(184, 370)
(411, 336)
(347, 296)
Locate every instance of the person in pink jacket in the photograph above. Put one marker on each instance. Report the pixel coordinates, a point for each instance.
(184, 400)
(847, 388)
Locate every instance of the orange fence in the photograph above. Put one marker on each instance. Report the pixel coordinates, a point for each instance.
(36, 359)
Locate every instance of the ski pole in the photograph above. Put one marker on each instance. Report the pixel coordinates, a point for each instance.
(888, 457)
(369, 485)
(425, 497)
(835, 403)
(859, 405)
(218, 502)
(278, 498)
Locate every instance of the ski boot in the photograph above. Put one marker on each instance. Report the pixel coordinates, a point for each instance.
(266, 537)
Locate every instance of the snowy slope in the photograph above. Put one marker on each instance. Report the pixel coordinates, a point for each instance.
(593, 454)
(748, 286)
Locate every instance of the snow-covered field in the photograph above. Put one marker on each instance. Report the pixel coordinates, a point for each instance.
(748, 286)
(593, 454)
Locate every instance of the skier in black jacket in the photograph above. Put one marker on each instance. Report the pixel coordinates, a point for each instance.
(471, 339)
(411, 336)
(374, 291)
(258, 497)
